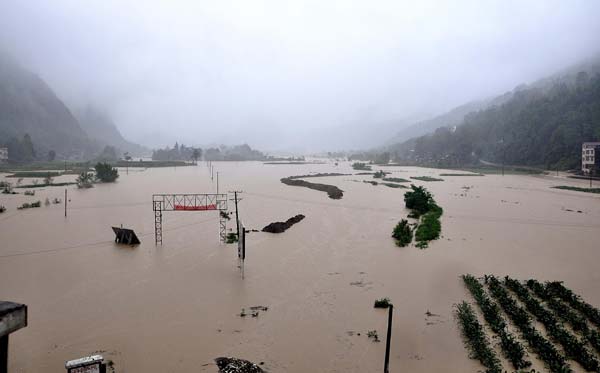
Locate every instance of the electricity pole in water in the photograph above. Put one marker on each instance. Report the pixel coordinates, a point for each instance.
(65, 202)
(388, 339)
(237, 218)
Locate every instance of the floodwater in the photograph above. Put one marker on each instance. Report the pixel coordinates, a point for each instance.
(175, 307)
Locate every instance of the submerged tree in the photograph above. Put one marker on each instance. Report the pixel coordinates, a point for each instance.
(106, 173)
(85, 180)
(402, 233)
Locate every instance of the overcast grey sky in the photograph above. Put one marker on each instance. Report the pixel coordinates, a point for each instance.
(274, 72)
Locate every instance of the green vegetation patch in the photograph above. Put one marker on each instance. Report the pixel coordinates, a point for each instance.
(425, 178)
(359, 166)
(382, 303)
(106, 173)
(545, 350)
(403, 233)
(332, 191)
(231, 237)
(396, 179)
(423, 206)
(45, 185)
(392, 185)
(511, 347)
(30, 205)
(35, 174)
(578, 189)
(462, 174)
(475, 339)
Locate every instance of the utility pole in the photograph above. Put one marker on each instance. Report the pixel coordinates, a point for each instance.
(237, 217)
(388, 339)
(65, 202)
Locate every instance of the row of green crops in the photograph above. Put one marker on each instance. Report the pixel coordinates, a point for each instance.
(566, 313)
(559, 290)
(573, 347)
(545, 350)
(511, 347)
(475, 338)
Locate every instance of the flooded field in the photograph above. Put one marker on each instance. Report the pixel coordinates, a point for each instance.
(175, 307)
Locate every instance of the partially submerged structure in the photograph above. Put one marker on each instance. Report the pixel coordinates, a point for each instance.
(590, 157)
(13, 316)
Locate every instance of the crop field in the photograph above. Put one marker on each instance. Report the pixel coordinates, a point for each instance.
(519, 318)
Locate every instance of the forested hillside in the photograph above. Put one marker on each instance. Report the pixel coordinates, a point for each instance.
(29, 106)
(538, 126)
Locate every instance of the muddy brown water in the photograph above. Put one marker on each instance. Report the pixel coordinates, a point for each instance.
(175, 307)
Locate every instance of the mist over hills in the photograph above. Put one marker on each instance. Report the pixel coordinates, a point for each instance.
(28, 106)
(541, 124)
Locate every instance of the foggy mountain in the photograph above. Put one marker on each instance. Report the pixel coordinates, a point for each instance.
(103, 131)
(456, 116)
(29, 106)
(541, 124)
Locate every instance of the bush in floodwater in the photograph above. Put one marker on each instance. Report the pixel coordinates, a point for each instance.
(430, 227)
(231, 238)
(2, 209)
(373, 334)
(85, 180)
(29, 193)
(106, 173)
(361, 166)
(379, 175)
(382, 303)
(30, 205)
(419, 200)
(403, 233)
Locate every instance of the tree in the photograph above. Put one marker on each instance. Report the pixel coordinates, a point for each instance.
(106, 173)
(196, 154)
(85, 180)
(402, 233)
(51, 155)
(419, 200)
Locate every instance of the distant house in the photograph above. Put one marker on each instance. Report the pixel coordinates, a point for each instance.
(590, 157)
(3, 155)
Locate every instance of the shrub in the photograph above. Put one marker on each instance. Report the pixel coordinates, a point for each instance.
(231, 238)
(419, 199)
(85, 180)
(475, 338)
(382, 303)
(2, 209)
(29, 192)
(379, 175)
(106, 173)
(361, 166)
(403, 233)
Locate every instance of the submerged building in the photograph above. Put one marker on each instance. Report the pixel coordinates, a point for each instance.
(3, 155)
(590, 157)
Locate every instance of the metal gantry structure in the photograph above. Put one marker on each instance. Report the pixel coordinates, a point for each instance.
(189, 202)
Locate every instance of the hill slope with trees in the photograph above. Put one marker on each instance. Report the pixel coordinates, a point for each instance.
(542, 125)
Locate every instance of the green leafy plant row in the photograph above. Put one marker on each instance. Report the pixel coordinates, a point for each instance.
(545, 350)
(475, 339)
(572, 346)
(566, 313)
(559, 290)
(511, 347)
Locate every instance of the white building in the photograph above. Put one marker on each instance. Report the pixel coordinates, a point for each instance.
(3, 155)
(590, 157)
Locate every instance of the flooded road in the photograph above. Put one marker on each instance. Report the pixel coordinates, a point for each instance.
(175, 307)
